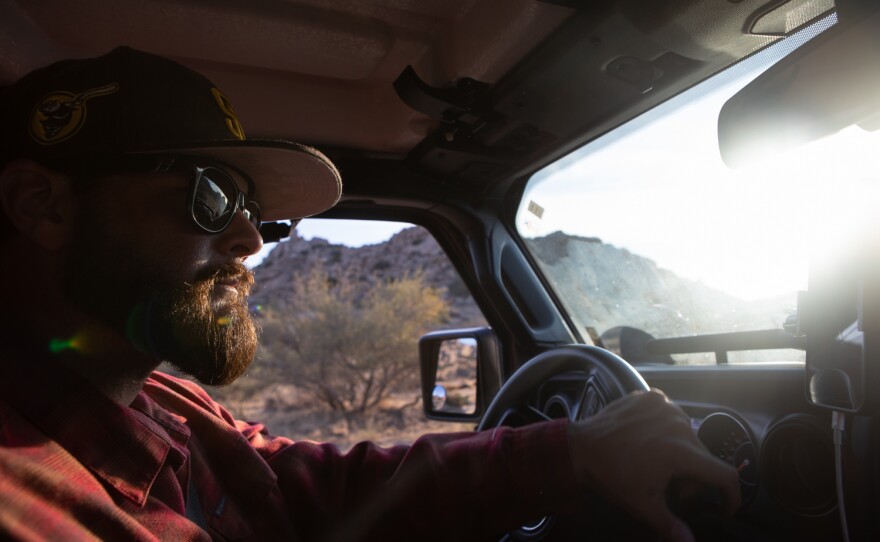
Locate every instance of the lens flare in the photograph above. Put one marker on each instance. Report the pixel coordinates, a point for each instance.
(59, 345)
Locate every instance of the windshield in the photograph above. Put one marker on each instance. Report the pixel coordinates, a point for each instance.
(646, 228)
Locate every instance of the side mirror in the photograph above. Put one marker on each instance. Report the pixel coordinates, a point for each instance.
(461, 373)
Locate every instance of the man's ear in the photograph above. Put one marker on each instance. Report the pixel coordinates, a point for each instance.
(38, 201)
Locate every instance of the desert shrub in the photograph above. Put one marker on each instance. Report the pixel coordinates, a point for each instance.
(348, 344)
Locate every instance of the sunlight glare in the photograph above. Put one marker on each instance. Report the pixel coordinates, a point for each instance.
(658, 188)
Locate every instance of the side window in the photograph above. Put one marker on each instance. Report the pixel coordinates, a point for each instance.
(342, 305)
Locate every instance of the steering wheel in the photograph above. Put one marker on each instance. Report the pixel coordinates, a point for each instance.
(607, 373)
(608, 377)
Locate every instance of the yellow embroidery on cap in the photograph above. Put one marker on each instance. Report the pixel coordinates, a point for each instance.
(59, 115)
(231, 120)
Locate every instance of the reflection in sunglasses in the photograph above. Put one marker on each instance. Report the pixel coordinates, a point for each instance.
(215, 197)
(211, 199)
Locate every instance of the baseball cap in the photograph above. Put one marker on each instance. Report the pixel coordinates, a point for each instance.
(128, 102)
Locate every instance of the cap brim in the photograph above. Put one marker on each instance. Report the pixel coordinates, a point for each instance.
(290, 180)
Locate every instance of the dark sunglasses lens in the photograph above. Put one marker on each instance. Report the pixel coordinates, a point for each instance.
(214, 201)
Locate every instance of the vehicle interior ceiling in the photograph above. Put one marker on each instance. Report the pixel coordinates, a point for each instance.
(498, 88)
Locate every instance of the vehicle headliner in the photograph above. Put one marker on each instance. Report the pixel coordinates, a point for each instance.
(322, 72)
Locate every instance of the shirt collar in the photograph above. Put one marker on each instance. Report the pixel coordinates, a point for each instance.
(124, 446)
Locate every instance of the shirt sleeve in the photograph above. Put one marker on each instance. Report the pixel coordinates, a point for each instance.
(452, 486)
(444, 486)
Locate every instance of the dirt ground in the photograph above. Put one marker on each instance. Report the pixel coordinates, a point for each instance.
(287, 411)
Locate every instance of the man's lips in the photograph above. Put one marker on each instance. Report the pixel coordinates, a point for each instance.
(232, 279)
(227, 284)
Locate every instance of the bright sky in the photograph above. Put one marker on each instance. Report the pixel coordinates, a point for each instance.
(751, 233)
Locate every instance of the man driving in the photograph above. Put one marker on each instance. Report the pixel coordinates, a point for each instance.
(126, 227)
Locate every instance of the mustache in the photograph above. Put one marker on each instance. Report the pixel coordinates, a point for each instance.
(229, 271)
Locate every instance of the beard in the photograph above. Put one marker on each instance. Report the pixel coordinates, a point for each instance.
(213, 341)
(198, 326)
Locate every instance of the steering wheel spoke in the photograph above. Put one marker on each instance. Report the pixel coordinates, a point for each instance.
(519, 415)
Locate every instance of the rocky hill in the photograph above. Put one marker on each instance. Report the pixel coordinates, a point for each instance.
(608, 285)
(410, 251)
(611, 287)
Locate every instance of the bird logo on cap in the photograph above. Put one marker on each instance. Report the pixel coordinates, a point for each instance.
(232, 123)
(60, 114)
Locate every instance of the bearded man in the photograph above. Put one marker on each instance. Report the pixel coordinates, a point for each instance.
(126, 224)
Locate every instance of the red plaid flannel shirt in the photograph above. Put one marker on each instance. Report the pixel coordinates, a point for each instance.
(76, 466)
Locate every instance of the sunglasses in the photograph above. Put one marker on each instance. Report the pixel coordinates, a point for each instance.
(214, 198)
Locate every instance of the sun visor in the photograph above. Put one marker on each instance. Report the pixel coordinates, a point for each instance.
(830, 83)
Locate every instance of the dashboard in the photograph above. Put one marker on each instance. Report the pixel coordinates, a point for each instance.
(754, 417)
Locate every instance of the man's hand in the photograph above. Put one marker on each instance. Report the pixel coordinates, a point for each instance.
(632, 449)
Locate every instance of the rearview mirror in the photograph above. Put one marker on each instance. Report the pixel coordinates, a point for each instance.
(460, 373)
(829, 83)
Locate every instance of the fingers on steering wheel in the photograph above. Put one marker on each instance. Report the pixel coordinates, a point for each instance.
(669, 402)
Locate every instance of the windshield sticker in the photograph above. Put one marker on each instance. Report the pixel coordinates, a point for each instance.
(536, 209)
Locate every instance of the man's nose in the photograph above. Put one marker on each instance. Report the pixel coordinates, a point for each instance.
(241, 239)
